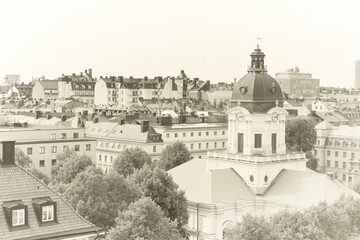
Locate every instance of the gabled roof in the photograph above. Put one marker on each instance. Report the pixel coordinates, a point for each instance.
(49, 84)
(17, 184)
(324, 125)
(208, 187)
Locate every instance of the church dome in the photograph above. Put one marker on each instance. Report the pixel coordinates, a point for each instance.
(257, 91)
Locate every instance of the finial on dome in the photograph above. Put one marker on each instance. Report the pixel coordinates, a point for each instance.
(258, 42)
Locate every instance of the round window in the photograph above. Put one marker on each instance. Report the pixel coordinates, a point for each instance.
(266, 178)
(251, 178)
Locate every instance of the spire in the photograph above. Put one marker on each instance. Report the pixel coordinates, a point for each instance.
(257, 60)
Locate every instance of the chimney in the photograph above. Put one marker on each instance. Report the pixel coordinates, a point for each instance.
(63, 118)
(37, 114)
(90, 72)
(7, 153)
(96, 120)
(85, 113)
(136, 115)
(48, 116)
(165, 121)
(121, 122)
(144, 126)
(234, 80)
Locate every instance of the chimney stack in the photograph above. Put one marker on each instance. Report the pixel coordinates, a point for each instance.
(63, 118)
(7, 153)
(37, 114)
(144, 126)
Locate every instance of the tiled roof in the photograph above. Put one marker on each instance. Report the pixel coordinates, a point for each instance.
(49, 84)
(82, 85)
(17, 184)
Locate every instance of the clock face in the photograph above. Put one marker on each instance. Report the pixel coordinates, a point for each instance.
(240, 116)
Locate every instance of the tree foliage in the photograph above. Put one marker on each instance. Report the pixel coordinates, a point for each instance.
(251, 228)
(130, 160)
(99, 197)
(174, 155)
(300, 135)
(159, 186)
(143, 220)
(312, 162)
(24, 161)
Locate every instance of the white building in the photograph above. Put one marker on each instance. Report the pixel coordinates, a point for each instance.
(255, 174)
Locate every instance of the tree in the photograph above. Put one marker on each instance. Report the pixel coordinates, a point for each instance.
(143, 220)
(26, 163)
(98, 197)
(174, 155)
(159, 186)
(300, 135)
(251, 228)
(312, 162)
(70, 167)
(129, 160)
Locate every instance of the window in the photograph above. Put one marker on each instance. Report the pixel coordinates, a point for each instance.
(352, 155)
(99, 157)
(53, 135)
(223, 132)
(215, 133)
(199, 134)
(344, 154)
(176, 135)
(53, 162)
(223, 144)
(344, 177)
(192, 146)
(215, 143)
(192, 134)
(344, 165)
(257, 141)
(18, 217)
(154, 148)
(207, 145)
(207, 133)
(63, 136)
(42, 163)
(29, 151)
(77, 148)
(315, 152)
(105, 159)
(328, 152)
(54, 149)
(328, 163)
(42, 150)
(336, 164)
(168, 135)
(47, 213)
(76, 135)
(199, 145)
(184, 134)
(336, 153)
(350, 179)
(88, 147)
(318, 142)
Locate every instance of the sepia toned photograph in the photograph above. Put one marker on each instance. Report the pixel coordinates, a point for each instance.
(179, 120)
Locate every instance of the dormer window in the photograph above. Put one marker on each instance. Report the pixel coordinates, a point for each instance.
(15, 214)
(45, 210)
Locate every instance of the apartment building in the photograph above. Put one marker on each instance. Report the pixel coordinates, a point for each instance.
(338, 151)
(43, 143)
(45, 90)
(113, 138)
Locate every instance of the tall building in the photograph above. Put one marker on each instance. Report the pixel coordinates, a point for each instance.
(256, 174)
(298, 85)
(357, 74)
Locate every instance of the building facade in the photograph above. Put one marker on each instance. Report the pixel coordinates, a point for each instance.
(45, 90)
(338, 151)
(298, 85)
(357, 74)
(43, 143)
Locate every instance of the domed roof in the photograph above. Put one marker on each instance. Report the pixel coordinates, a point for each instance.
(257, 91)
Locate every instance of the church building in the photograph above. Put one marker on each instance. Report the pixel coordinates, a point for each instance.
(256, 174)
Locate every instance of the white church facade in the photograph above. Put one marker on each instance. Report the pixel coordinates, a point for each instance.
(256, 174)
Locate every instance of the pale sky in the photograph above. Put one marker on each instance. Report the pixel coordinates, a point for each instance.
(209, 39)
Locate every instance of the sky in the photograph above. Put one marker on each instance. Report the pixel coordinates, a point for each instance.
(208, 39)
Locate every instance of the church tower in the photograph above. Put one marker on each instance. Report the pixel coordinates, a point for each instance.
(256, 130)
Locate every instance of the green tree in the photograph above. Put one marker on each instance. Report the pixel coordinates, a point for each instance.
(143, 220)
(157, 184)
(174, 155)
(300, 135)
(98, 197)
(251, 228)
(24, 161)
(130, 160)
